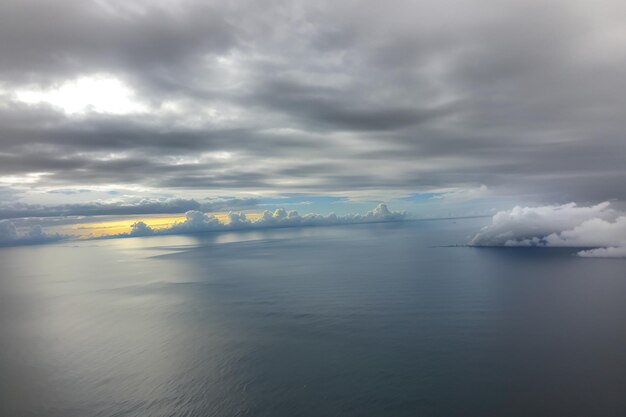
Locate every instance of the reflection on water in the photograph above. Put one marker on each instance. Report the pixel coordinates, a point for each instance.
(365, 320)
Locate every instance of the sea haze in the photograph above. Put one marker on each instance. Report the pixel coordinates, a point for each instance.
(361, 320)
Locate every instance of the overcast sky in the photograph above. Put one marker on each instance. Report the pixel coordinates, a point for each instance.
(110, 102)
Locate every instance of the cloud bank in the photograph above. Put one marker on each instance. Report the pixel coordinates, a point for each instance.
(314, 96)
(197, 221)
(599, 228)
(143, 206)
(9, 235)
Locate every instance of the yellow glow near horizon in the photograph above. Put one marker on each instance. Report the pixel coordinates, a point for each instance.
(123, 225)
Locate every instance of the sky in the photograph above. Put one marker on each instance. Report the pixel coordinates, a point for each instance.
(464, 108)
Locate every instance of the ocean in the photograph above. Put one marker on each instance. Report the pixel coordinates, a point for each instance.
(363, 320)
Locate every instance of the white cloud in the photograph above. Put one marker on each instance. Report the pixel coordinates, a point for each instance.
(592, 233)
(569, 225)
(197, 221)
(611, 252)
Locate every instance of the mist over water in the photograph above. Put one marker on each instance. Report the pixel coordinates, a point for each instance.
(361, 320)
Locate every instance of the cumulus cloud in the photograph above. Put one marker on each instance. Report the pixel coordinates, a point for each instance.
(140, 229)
(598, 227)
(10, 236)
(197, 221)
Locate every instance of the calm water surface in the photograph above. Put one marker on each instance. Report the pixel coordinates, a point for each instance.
(368, 320)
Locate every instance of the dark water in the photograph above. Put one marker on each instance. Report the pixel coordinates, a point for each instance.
(365, 320)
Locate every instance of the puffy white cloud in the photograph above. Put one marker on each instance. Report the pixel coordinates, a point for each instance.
(140, 229)
(592, 233)
(282, 218)
(9, 235)
(569, 225)
(236, 219)
(197, 221)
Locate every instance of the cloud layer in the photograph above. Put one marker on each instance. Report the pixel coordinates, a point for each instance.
(143, 206)
(326, 96)
(598, 227)
(9, 235)
(197, 221)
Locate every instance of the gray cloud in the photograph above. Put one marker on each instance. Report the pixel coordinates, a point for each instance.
(328, 108)
(289, 96)
(69, 37)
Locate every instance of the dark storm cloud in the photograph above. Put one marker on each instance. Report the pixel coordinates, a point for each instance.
(526, 97)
